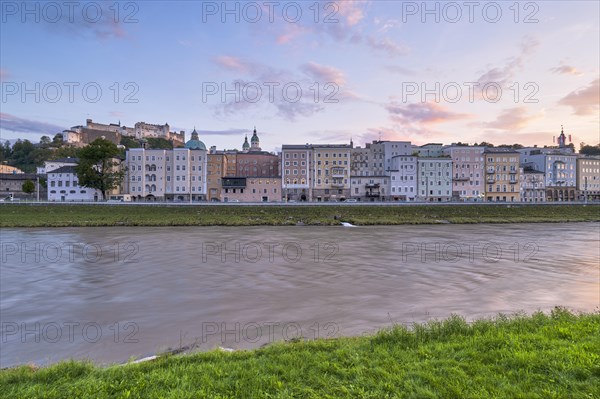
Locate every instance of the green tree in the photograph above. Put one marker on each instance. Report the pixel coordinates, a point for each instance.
(98, 168)
(65, 152)
(25, 156)
(158, 143)
(45, 141)
(28, 187)
(58, 140)
(130, 142)
(590, 149)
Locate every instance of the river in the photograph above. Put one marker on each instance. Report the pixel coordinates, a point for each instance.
(115, 294)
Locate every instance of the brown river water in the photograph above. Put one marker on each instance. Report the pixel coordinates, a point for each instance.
(116, 294)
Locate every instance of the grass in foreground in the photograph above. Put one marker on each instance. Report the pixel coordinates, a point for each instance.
(21, 215)
(537, 356)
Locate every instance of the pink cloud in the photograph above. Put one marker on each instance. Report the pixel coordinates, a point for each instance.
(351, 10)
(503, 74)
(566, 70)
(324, 73)
(422, 113)
(233, 63)
(584, 101)
(511, 119)
(388, 46)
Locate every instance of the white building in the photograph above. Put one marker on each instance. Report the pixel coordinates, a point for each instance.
(588, 177)
(435, 179)
(559, 167)
(403, 178)
(168, 175)
(63, 186)
(533, 185)
(55, 164)
(395, 148)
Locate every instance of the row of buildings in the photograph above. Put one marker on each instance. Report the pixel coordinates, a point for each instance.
(394, 171)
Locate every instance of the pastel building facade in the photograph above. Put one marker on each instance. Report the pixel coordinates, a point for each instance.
(502, 175)
(404, 178)
(588, 177)
(331, 179)
(533, 185)
(434, 179)
(167, 175)
(251, 189)
(560, 170)
(468, 174)
(297, 172)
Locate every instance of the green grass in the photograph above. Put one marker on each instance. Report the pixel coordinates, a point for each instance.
(61, 215)
(554, 355)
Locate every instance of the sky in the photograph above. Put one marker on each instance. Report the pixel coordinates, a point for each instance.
(305, 72)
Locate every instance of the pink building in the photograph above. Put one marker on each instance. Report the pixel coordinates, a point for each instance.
(468, 174)
(251, 189)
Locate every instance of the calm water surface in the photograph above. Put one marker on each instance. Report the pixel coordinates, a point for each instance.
(112, 294)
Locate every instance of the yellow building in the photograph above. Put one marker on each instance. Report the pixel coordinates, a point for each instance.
(502, 175)
(10, 169)
(331, 179)
(214, 173)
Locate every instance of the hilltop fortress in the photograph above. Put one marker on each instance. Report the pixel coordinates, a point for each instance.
(83, 135)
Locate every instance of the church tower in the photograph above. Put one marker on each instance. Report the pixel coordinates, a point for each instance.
(562, 139)
(254, 142)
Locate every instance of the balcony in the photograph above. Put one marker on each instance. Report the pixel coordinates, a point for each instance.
(512, 172)
(371, 186)
(461, 179)
(337, 173)
(373, 194)
(490, 170)
(490, 180)
(513, 182)
(337, 185)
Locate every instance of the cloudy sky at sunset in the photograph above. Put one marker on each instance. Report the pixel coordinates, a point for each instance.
(366, 69)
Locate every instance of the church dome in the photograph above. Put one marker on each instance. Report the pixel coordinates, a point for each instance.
(194, 143)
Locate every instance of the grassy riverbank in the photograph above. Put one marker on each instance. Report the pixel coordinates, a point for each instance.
(62, 215)
(538, 356)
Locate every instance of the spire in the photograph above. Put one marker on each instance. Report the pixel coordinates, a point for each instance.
(246, 145)
(255, 141)
(562, 138)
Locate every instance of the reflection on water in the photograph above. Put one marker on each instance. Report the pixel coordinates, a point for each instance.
(110, 294)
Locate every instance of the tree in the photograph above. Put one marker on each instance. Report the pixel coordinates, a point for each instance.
(590, 149)
(98, 168)
(58, 140)
(6, 150)
(158, 143)
(45, 141)
(130, 142)
(28, 187)
(26, 156)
